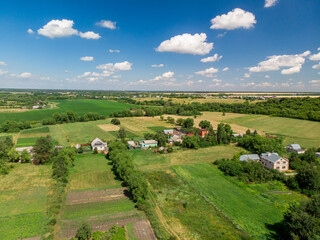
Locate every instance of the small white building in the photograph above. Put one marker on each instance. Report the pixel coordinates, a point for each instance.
(247, 157)
(78, 146)
(274, 161)
(99, 145)
(174, 139)
(168, 131)
(295, 148)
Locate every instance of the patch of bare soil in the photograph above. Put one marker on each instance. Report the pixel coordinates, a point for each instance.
(141, 228)
(143, 231)
(75, 197)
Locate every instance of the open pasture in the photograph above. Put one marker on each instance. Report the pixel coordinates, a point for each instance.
(248, 208)
(148, 160)
(23, 201)
(79, 106)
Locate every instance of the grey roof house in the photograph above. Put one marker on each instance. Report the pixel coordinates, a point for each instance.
(247, 157)
(295, 148)
(274, 161)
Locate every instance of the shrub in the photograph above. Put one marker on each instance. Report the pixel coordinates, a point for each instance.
(84, 232)
(115, 121)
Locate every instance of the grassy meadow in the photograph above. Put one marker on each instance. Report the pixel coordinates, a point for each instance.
(23, 195)
(248, 208)
(79, 106)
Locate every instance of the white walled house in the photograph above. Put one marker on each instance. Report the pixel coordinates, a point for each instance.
(274, 161)
(99, 145)
(295, 148)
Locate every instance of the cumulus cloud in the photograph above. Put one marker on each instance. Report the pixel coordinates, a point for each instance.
(2, 72)
(216, 80)
(122, 66)
(86, 59)
(274, 63)
(315, 57)
(64, 28)
(114, 50)
(2, 63)
(89, 35)
(30, 31)
(207, 72)
(225, 69)
(267, 76)
(247, 75)
(165, 76)
(157, 66)
(107, 24)
(214, 58)
(270, 3)
(186, 43)
(237, 18)
(317, 66)
(315, 83)
(220, 35)
(24, 75)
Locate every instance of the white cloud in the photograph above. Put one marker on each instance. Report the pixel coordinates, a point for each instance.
(214, 58)
(86, 59)
(276, 62)
(237, 18)
(168, 74)
(216, 80)
(267, 76)
(200, 81)
(292, 70)
(122, 66)
(2, 72)
(187, 43)
(317, 66)
(24, 75)
(247, 75)
(2, 63)
(64, 28)
(225, 69)
(114, 51)
(270, 3)
(315, 83)
(107, 24)
(319, 49)
(207, 72)
(315, 57)
(157, 66)
(220, 35)
(89, 35)
(30, 31)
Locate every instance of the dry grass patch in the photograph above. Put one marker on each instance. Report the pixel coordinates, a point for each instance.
(108, 127)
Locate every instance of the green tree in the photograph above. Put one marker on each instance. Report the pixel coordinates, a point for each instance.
(25, 156)
(122, 133)
(248, 132)
(115, 121)
(161, 118)
(179, 121)
(170, 119)
(95, 151)
(13, 156)
(308, 178)
(161, 138)
(42, 150)
(84, 232)
(188, 123)
(191, 141)
(205, 124)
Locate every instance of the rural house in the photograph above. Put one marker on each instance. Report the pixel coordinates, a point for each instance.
(148, 143)
(99, 145)
(247, 157)
(203, 132)
(78, 146)
(174, 139)
(133, 145)
(168, 131)
(295, 148)
(274, 161)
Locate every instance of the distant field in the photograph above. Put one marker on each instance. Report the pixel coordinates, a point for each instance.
(245, 206)
(199, 100)
(92, 171)
(79, 106)
(148, 160)
(23, 201)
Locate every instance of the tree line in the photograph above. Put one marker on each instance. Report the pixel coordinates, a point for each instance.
(71, 117)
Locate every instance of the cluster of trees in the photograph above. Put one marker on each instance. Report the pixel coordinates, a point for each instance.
(159, 136)
(124, 169)
(248, 171)
(61, 160)
(70, 117)
(5, 147)
(301, 108)
(13, 126)
(84, 232)
(258, 144)
(115, 121)
(302, 221)
(18, 100)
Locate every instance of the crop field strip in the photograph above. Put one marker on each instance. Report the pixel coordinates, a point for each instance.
(23, 201)
(95, 196)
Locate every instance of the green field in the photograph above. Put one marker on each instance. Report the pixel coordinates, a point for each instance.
(79, 106)
(44, 129)
(91, 171)
(189, 214)
(26, 142)
(23, 201)
(247, 207)
(148, 160)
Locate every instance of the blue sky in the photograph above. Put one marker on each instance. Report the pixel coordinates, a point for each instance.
(252, 45)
